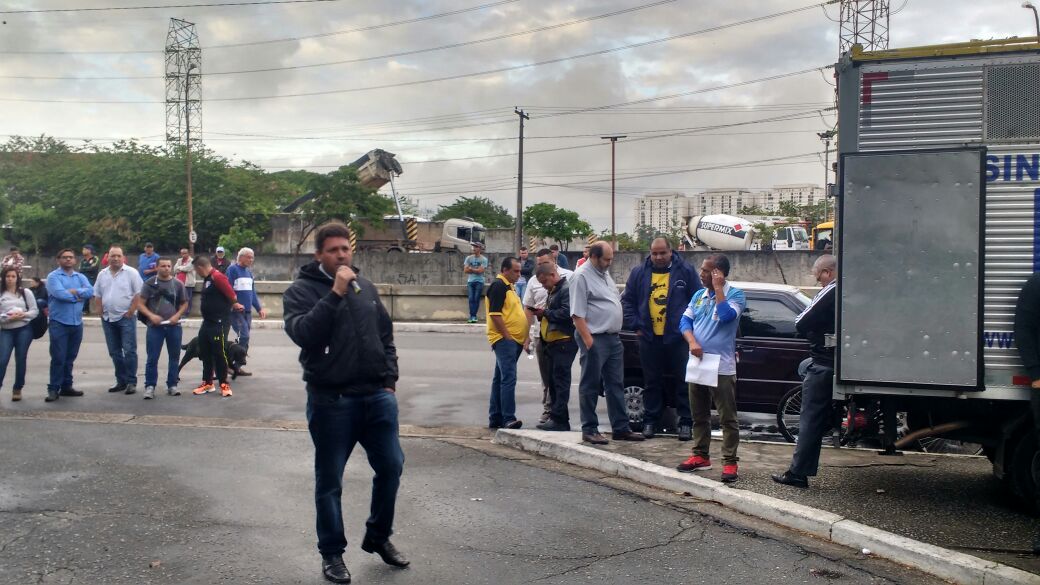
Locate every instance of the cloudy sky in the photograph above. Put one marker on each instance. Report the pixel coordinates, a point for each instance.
(385, 86)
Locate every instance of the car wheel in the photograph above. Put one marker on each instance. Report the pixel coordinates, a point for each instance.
(634, 405)
(787, 413)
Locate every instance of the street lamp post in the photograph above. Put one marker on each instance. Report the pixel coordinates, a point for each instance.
(1036, 17)
(187, 160)
(613, 218)
(826, 137)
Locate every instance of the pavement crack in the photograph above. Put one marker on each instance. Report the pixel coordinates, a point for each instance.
(595, 559)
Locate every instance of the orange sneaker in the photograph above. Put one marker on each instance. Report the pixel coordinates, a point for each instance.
(225, 389)
(204, 388)
(694, 463)
(729, 473)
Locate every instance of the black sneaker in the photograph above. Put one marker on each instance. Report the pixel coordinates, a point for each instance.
(513, 424)
(70, 392)
(685, 432)
(551, 425)
(117, 388)
(334, 569)
(648, 430)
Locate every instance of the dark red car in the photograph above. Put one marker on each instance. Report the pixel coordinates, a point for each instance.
(769, 351)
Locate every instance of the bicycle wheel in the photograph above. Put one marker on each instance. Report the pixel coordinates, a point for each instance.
(787, 413)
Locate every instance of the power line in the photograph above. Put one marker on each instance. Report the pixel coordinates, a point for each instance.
(464, 75)
(162, 6)
(364, 59)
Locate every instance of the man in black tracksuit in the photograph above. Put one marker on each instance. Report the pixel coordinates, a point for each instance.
(218, 299)
(1027, 339)
(816, 418)
(349, 364)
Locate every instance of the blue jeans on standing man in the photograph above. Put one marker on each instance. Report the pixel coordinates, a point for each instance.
(475, 290)
(242, 322)
(337, 422)
(121, 337)
(602, 369)
(154, 339)
(65, 342)
(15, 341)
(502, 409)
(658, 359)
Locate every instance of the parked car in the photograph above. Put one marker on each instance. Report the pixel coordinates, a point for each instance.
(769, 351)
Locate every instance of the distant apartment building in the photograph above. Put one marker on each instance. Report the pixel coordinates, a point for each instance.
(800, 194)
(662, 210)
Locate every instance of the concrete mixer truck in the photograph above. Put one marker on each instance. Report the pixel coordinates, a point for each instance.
(719, 232)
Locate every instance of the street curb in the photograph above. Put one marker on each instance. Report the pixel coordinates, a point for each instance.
(398, 327)
(953, 566)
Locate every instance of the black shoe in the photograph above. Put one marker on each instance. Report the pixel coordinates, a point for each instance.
(70, 392)
(52, 395)
(387, 551)
(551, 425)
(648, 430)
(788, 478)
(594, 438)
(334, 569)
(494, 425)
(243, 372)
(685, 432)
(118, 388)
(1036, 545)
(514, 424)
(627, 436)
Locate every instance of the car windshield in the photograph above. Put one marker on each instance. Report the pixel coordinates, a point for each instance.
(804, 300)
(800, 235)
(479, 234)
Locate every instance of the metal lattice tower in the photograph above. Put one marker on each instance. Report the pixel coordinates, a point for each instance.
(183, 85)
(864, 22)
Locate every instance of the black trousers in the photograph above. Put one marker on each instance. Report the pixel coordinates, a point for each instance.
(545, 373)
(560, 357)
(815, 419)
(211, 351)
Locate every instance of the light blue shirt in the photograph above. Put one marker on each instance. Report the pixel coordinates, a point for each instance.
(117, 291)
(67, 308)
(474, 262)
(715, 325)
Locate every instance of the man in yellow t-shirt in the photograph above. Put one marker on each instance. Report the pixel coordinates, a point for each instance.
(507, 330)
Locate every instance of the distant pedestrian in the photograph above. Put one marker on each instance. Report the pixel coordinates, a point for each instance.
(656, 295)
(474, 266)
(536, 298)
(584, 257)
(561, 259)
(816, 416)
(117, 290)
(220, 261)
(17, 308)
(349, 361)
(163, 303)
(14, 259)
(184, 270)
(241, 278)
(1027, 338)
(67, 290)
(217, 301)
(527, 267)
(710, 327)
(89, 266)
(597, 314)
(556, 334)
(39, 290)
(507, 331)
(146, 264)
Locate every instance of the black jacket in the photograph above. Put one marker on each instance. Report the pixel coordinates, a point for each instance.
(558, 308)
(527, 268)
(346, 343)
(816, 322)
(1027, 326)
(683, 283)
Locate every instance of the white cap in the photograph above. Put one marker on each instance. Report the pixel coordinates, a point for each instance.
(220, 248)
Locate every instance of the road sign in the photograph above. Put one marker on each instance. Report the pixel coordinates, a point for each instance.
(193, 237)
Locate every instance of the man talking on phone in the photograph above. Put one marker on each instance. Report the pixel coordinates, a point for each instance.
(349, 364)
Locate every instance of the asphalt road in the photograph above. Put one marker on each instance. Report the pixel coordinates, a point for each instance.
(117, 503)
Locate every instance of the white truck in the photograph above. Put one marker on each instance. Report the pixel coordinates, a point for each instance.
(937, 230)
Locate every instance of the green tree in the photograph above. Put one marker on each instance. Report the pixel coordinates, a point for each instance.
(751, 210)
(339, 196)
(481, 209)
(35, 227)
(240, 236)
(545, 220)
(814, 214)
(788, 209)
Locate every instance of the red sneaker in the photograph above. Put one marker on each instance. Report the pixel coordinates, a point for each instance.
(729, 473)
(693, 464)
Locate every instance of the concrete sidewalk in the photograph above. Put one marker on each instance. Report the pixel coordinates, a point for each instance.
(902, 508)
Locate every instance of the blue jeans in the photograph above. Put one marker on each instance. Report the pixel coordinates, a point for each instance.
(242, 323)
(658, 359)
(121, 337)
(475, 290)
(815, 419)
(521, 286)
(15, 341)
(602, 369)
(154, 338)
(65, 342)
(337, 422)
(502, 410)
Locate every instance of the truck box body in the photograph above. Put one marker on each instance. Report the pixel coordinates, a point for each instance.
(972, 95)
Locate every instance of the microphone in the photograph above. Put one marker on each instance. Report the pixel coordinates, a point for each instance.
(354, 285)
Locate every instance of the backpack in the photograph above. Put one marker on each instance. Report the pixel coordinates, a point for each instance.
(39, 322)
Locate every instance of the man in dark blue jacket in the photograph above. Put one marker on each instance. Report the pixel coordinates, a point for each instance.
(656, 294)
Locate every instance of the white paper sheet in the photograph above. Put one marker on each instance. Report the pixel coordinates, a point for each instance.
(703, 371)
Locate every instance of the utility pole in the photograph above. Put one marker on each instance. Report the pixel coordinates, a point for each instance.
(184, 101)
(519, 236)
(826, 137)
(613, 217)
(863, 22)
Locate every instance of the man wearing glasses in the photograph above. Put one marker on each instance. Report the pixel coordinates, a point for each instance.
(68, 291)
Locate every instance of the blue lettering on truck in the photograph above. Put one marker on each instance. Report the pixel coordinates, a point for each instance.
(999, 339)
(1013, 167)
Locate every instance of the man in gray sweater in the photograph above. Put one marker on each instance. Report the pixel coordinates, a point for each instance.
(596, 311)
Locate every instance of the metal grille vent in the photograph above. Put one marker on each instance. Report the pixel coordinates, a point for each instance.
(1012, 106)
